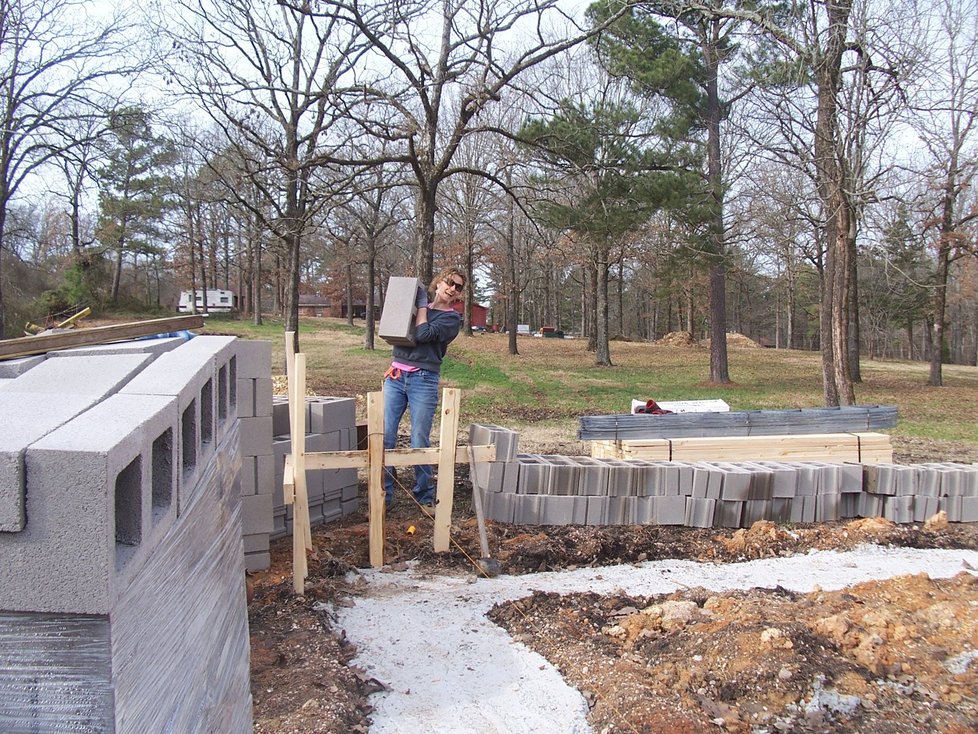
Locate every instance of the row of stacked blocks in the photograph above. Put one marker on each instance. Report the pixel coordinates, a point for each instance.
(266, 440)
(556, 490)
(122, 599)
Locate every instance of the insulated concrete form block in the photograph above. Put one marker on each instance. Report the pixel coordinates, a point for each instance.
(397, 318)
(101, 490)
(26, 419)
(10, 368)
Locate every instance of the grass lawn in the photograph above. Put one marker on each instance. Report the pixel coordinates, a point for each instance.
(553, 381)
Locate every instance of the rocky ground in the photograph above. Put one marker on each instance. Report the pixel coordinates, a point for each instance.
(884, 657)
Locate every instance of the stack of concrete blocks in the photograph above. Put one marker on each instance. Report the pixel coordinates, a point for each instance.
(556, 490)
(914, 493)
(122, 599)
(254, 393)
(332, 493)
(397, 318)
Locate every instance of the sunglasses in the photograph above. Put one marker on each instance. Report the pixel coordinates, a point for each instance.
(455, 285)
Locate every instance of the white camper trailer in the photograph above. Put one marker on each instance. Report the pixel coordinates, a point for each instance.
(218, 301)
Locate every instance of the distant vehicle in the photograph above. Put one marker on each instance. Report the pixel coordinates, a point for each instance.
(218, 301)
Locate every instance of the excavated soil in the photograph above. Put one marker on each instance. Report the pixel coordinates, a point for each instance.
(888, 657)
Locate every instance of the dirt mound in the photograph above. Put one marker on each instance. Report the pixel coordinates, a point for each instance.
(677, 339)
(737, 340)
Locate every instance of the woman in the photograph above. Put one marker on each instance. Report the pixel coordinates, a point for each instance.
(412, 380)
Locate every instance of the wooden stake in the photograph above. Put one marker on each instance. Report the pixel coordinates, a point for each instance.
(375, 475)
(450, 400)
(299, 449)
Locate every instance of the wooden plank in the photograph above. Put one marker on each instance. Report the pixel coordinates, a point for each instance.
(288, 480)
(300, 506)
(25, 345)
(450, 400)
(375, 476)
(394, 457)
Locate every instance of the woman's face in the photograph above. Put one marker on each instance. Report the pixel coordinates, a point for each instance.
(451, 288)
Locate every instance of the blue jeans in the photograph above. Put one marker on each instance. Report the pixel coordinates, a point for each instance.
(419, 392)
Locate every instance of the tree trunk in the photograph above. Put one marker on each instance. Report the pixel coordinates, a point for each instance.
(838, 387)
(424, 254)
(368, 339)
(602, 352)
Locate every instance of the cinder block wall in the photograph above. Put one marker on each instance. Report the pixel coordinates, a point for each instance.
(558, 490)
(122, 600)
(333, 493)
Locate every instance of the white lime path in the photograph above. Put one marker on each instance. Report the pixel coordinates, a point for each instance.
(452, 671)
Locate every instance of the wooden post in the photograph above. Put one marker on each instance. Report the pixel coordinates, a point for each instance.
(375, 475)
(450, 400)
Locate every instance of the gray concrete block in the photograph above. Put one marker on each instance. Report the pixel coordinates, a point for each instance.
(280, 415)
(256, 436)
(827, 507)
(254, 358)
(397, 317)
(98, 376)
(263, 396)
(501, 506)
(264, 474)
(563, 511)
(248, 476)
(511, 478)
(330, 414)
(781, 509)
(925, 507)
(736, 484)
(26, 418)
(245, 398)
(258, 561)
(784, 479)
(154, 346)
(256, 514)
(755, 510)
(969, 509)
(700, 512)
(350, 506)
(870, 505)
(101, 490)
(669, 510)
(898, 508)
(597, 510)
(645, 510)
(534, 478)
(255, 543)
(728, 513)
(10, 368)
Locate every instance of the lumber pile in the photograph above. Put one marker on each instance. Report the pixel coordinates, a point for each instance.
(865, 448)
(843, 419)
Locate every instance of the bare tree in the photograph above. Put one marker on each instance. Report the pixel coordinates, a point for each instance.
(55, 63)
(268, 76)
(435, 67)
(946, 114)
